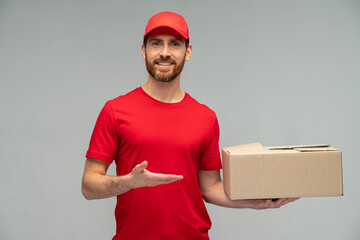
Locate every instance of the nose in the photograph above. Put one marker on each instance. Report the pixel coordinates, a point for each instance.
(165, 52)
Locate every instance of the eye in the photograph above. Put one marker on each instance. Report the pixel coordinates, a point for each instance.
(175, 44)
(155, 43)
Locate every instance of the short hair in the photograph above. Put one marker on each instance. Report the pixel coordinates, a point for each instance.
(147, 36)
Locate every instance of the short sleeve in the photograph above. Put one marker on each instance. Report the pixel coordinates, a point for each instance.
(104, 140)
(210, 159)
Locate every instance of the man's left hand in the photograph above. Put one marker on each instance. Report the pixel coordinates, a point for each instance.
(270, 203)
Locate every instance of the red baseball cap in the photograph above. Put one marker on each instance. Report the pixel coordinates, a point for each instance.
(170, 20)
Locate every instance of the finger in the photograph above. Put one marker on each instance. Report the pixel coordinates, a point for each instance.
(158, 178)
(140, 167)
(289, 200)
(170, 180)
(283, 201)
(168, 177)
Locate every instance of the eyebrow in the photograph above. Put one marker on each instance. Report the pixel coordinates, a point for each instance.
(160, 40)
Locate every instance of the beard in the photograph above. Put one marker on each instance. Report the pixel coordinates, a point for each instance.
(164, 75)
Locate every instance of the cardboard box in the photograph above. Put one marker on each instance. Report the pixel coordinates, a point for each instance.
(252, 171)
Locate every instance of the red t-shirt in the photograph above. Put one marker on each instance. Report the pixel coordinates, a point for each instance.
(174, 138)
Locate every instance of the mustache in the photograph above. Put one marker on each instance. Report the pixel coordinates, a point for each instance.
(165, 59)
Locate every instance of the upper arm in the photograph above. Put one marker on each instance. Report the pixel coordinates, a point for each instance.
(93, 165)
(208, 179)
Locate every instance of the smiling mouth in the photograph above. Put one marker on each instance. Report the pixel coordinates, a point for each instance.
(164, 66)
(164, 63)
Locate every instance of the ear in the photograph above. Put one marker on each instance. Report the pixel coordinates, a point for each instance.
(143, 54)
(188, 52)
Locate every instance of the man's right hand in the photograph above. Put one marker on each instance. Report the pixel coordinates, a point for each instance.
(96, 184)
(141, 177)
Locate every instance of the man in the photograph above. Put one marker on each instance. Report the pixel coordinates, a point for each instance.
(165, 145)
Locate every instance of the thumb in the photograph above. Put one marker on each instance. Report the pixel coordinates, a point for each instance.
(140, 167)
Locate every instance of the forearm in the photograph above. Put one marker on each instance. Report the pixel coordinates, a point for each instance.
(218, 196)
(98, 186)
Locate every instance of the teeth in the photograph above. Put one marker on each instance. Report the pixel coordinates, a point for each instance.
(165, 64)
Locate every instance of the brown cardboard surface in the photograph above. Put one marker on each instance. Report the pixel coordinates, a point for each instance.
(254, 172)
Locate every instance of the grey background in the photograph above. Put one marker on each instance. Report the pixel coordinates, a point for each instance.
(275, 72)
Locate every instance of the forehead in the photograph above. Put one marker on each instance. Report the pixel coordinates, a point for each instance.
(165, 32)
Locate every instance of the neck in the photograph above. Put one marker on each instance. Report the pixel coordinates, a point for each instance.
(168, 92)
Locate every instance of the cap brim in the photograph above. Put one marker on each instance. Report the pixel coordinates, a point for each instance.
(184, 35)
